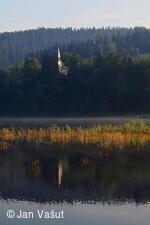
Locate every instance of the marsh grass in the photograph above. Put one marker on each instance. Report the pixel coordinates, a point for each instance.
(136, 133)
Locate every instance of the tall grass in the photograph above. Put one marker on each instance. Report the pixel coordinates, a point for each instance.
(106, 136)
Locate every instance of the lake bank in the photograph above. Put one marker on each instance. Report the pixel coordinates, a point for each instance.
(104, 136)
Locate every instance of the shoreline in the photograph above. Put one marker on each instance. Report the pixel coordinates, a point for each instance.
(106, 136)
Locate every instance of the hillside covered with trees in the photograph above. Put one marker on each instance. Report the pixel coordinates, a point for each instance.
(95, 85)
(15, 47)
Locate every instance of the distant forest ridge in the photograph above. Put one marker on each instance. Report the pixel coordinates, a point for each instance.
(16, 47)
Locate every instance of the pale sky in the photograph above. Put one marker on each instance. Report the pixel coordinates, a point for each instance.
(28, 14)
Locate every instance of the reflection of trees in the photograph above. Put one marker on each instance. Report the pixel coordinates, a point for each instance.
(36, 168)
(45, 175)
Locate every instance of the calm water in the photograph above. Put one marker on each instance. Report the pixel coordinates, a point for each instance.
(89, 187)
(74, 122)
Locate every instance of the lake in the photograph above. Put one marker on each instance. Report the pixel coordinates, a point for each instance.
(90, 188)
(73, 122)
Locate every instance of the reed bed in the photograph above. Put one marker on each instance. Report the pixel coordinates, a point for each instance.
(106, 136)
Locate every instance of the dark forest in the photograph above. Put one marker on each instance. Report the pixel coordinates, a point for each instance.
(15, 47)
(109, 72)
(94, 86)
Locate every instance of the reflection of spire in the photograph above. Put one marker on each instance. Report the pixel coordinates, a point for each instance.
(61, 66)
(60, 173)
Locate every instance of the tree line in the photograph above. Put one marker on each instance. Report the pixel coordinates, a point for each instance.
(95, 85)
(15, 47)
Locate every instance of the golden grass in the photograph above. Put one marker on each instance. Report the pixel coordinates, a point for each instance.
(106, 136)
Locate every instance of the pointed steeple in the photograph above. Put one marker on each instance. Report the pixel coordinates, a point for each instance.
(61, 66)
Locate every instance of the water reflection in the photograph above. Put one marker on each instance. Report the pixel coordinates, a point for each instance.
(36, 168)
(50, 174)
(60, 173)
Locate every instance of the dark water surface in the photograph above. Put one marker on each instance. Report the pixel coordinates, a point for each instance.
(90, 187)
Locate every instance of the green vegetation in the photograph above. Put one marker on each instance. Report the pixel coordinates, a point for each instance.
(94, 86)
(105, 136)
(15, 47)
(109, 72)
